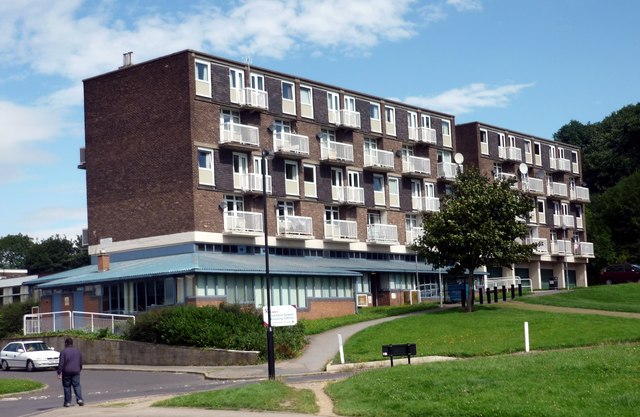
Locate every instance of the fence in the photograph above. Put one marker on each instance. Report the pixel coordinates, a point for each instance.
(74, 320)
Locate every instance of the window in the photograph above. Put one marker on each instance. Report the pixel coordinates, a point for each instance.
(203, 80)
(537, 152)
(257, 82)
(374, 114)
(306, 101)
(426, 121)
(205, 166)
(446, 133)
(484, 142)
(286, 208)
(378, 189)
(229, 116)
(333, 105)
(233, 203)
(236, 85)
(412, 123)
(309, 173)
(291, 177)
(527, 151)
(390, 120)
(541, 211)
(288, 98)
(394, 192)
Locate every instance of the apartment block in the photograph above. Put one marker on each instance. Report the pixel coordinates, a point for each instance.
(550, 172)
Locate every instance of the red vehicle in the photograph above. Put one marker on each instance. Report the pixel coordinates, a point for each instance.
(620, 273)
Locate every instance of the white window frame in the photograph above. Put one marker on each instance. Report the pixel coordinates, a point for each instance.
(202, 82)
(231, 116)
(484, 141)
(289, 102)
(306, 109)
(528, 151)
(412, 125)
(541, 204)
(376, 122)
(233, 203)
(333, 107)
(236, 85)
(373, 105)
(257, 82)
(394, 195)
(390, 120)
(310, 187)
(292, 185)
(425, 119)
(537, 153)
(206, 171)
(379, 194)
(446, 141)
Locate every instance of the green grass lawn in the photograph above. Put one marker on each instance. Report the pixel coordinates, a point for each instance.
(602, 381)
(364, 314)
(10, 386)
(622, 297)
(268, 396)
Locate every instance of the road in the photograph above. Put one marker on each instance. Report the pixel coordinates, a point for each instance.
(98, 386)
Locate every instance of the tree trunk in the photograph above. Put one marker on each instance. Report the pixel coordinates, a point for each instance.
(470, 292)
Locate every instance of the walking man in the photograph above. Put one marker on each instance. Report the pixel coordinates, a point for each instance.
(69, 369)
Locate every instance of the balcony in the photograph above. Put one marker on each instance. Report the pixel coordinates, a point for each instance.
(557, 189)
(416, 165)
(250, 183)
(510, 153)
(583, 249)
(533, 186)
(426, 203)
(345, 118)
(560, 248)
(413, 134)
(341, 230)
(428, 135)
(378, 159)
(579, 194)
(347, 195)
(542, 248)
(295, 227)
(560, 164)
(336, 152)
(240, 136)
(564, 220)
(242, 222)
(290, 143)
(382, 234)
(448, 170)
(414, 233)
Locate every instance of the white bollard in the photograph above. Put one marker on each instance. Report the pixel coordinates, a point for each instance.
(341, 350)
(526, 336)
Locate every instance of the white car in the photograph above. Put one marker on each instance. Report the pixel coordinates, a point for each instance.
(29, 354)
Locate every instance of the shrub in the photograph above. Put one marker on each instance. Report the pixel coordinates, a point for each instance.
(231, 326)
(11, 317)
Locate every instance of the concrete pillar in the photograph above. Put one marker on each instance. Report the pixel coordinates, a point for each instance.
(558, 272)
(581, 275)
(534, 275)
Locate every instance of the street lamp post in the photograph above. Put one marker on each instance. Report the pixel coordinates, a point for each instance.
(271, 361)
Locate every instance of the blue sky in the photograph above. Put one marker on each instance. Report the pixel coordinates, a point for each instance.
(527, 65)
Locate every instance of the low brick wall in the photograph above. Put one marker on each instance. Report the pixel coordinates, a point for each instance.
(123, 352)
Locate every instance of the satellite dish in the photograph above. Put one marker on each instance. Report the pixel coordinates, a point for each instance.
(523, 168)
(458, 158)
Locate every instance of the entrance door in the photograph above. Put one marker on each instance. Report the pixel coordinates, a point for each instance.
(240, 171)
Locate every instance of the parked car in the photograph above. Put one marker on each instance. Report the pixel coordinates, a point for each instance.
(29, 354)
(620, 273)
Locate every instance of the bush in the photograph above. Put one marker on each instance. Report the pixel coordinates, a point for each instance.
(11, 317)
(231, 326)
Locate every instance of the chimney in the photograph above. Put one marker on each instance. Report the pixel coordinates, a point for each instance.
(103, 261)
(126, 60)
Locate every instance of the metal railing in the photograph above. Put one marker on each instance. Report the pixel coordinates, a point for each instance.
(291, 142)
(382, 233)
(74, 320)
(416, 164)
(341, 230)
(237, 133)
(378, 158)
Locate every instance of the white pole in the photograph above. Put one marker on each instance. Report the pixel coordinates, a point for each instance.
(341, 349)
(526, 336)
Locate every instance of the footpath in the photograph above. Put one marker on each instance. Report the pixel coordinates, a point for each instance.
(315, 360)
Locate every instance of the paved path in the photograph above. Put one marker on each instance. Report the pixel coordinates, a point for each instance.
(320, 351)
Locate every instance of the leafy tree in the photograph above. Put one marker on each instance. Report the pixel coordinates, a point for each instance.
(11, 317)
(13, 251)
(476, 226)
(56, 254)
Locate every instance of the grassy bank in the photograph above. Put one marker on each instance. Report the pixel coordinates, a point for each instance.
(623, 297)
(11, 386)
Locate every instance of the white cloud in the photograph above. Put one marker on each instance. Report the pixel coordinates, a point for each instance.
(469, 98)
(465, 5)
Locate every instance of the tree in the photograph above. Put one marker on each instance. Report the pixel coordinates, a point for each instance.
(13, 251)
(56, 254)
(476, 226)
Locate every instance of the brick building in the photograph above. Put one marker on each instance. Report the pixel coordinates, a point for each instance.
(180, 153)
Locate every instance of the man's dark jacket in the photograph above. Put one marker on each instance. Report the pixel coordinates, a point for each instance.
(70, 361)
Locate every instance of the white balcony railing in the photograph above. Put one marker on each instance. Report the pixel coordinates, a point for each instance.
(382, 233)
(336, 151)
(351, 195)
(534, 185)
(250, 182)
(560, 164)
(256, 98)
(583, 249)
(413, 134)
(296, 226)
(416, 165)
(564, 220)
(242, 222)
(542, 248)
(579, 194)
(378, 158)
(448, 170)
(510, 153)
(349, 118)
(560, 247)
(428, 135)
(341, 230)
(557, 189)
(291, 143)
(426, 203)
(241, 134)
(414, 233)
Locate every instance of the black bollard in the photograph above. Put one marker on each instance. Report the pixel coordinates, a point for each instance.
(513, 291)
(520, 290)
(481, 294)
(504, 293)
(495, 294)
(463, 297)
(488, 295)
